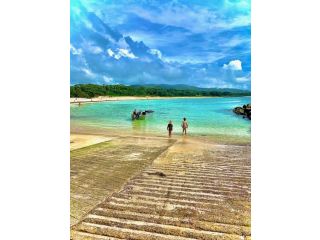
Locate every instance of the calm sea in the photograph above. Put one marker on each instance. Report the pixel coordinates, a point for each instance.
(206, 116)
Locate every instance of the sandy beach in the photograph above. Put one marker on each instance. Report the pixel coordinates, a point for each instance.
(84, 140)
(124, 98)
(121, 184)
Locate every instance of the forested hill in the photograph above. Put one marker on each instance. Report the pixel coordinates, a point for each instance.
(93, 90)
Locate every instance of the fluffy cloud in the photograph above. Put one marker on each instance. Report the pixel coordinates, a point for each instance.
(156, 52)
(121, 52)
(75, 51)
(196, 17)
(88, 72)
(234, 65)
(175, 42)
(94, 49)
(126, 53)
(107, 79)
(110, 52)
(212, 82)
(242, 79)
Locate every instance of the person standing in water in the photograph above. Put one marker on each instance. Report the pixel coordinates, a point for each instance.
(170, 128)
(184, 126)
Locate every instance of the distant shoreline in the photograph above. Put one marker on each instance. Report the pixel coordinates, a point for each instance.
(125, 98)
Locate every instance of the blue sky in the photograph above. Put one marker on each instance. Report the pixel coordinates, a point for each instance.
(200, 43)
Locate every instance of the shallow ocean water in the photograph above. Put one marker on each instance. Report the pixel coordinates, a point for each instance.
(206, 116)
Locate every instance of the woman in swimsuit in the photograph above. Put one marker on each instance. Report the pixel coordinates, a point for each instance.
(184, 126)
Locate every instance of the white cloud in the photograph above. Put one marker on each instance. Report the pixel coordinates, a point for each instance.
(75, 51)
(235, 41)
(206, 57)
(110, 52)
(107, 79)
(95, 49)
(234, 65)
(156, 52)
(91, 47)
(196, 18)
(154, 39)
(239, 21)
(117, 56)
(242, 79)
(121, 53)
(88, 24)
(126, 53)
(88, 72)
(212, 82)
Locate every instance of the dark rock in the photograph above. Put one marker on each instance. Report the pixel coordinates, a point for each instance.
(238, 110)
(160, 174)
(245, 111)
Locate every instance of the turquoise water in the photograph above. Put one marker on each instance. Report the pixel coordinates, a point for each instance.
(206, 116)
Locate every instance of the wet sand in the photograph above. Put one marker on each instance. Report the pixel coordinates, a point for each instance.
(84, 140)
(105, 132)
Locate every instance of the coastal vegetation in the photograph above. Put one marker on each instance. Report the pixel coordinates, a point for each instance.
(93, 90)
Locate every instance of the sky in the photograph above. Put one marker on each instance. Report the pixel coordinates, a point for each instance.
(203, 43)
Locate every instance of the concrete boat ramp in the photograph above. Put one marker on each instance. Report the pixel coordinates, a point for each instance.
(159, 188)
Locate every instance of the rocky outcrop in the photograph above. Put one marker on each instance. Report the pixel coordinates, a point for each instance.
(245, 111)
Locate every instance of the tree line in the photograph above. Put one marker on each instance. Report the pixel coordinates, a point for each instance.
(93, 90)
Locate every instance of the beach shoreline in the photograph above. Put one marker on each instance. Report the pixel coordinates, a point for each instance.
(126, 98)
(91, 135)
(105, 124)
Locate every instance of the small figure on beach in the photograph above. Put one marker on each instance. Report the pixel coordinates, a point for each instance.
(170, 128)
(184, 126)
